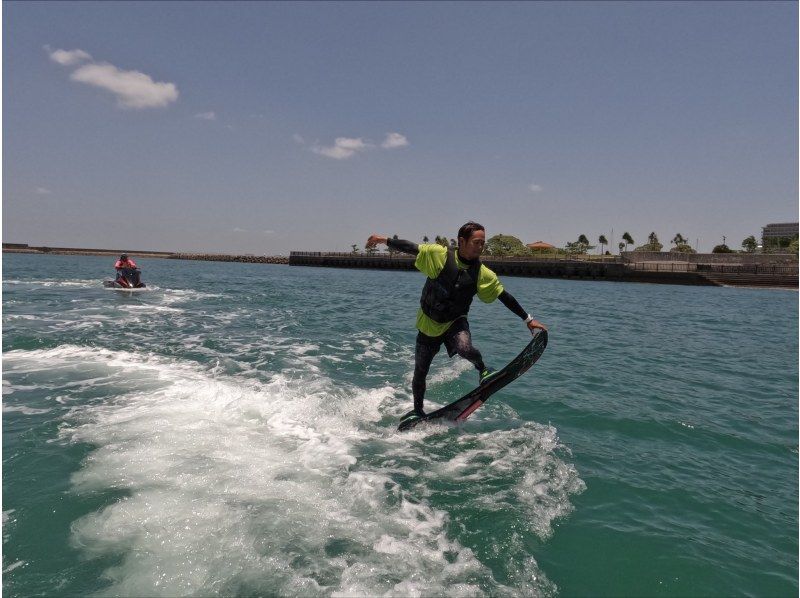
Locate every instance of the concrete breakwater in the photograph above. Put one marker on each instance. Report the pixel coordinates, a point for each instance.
(610, 268)
(247, 259)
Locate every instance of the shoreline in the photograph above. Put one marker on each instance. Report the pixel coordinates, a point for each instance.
(166, 255)
(778, 275)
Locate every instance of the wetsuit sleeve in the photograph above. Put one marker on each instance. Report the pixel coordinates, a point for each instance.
(508, 300)
(431, 259)
(403, 245)
(489, 287)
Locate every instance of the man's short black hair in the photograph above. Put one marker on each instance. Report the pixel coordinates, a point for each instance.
(465, 232)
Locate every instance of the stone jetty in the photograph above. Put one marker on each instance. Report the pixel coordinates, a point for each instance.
(216, 257)
(702, 269)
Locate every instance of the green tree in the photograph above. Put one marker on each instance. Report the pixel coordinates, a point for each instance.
(425, 239)
(573, 248)
(681, 245)
(794, 246)
(355, 248)
(583, 239)
(750, 244)
(722, 249)
(652, 244)
(621, 247)
(603, 242)
(441, 241)
(628, 240)
(500, 245)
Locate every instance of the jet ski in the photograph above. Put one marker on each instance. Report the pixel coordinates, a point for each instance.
(128, 279)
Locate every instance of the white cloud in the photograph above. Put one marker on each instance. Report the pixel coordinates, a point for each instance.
(269, 232)
(239, 230)
(68, 57)
(298, 139)
(534, 187)
(394, 140)
(211, 115)
(42, 191)
(343, 148)
(132, 88)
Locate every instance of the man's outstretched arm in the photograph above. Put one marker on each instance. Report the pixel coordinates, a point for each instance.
(396, 244)
(511, 303)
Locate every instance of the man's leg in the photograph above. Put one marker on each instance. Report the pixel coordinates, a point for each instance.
(458, 341)
(424, 354)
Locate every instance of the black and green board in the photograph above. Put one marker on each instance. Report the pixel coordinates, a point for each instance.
(462, 408)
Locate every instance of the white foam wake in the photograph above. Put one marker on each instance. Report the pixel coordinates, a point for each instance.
(235, 486)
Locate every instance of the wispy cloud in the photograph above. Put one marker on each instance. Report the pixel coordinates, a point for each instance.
(535, 188)
(68, 57)
(42, 191)
(132, 89)
(269, 232)
(298, 139)
(343, 148)
(347, 147)
(394, 140)
(211, 115)
(239, 230)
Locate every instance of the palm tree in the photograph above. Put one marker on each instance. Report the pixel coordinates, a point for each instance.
(603, 242)
(628, 240)
(678, 240)
(621, 247)
(583, 240)
(652, 238)
(425, 239)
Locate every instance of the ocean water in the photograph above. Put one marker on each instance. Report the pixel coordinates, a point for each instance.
(232, 432)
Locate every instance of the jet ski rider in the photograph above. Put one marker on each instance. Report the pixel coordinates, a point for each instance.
(127, 272)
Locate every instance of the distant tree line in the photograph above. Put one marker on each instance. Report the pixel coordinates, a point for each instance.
(508, 245)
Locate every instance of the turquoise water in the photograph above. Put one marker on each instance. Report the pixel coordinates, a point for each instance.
(232, 432)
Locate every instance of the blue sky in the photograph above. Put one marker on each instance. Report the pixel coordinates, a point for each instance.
(264, 128)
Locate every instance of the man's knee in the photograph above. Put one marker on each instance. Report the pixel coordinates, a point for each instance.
(463, 344)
